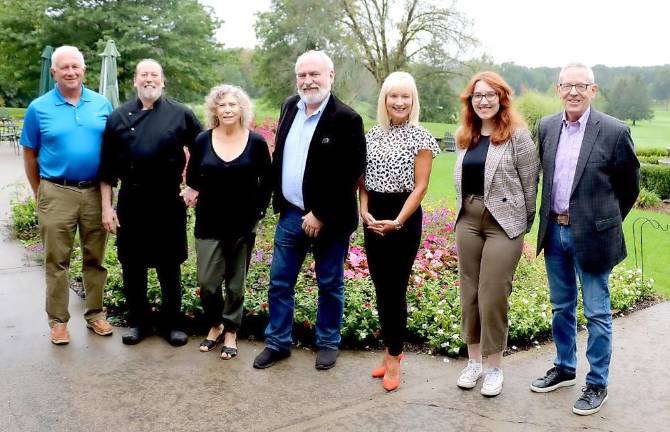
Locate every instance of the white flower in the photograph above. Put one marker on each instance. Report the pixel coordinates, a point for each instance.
(424, 326)
(444, 344)
(440, 331)
(374, 312)
(440, 311)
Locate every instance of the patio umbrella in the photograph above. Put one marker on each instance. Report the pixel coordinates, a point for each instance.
(109, 86)
(46, 80)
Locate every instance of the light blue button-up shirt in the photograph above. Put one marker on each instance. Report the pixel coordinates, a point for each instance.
(295, 152)
(567, 154)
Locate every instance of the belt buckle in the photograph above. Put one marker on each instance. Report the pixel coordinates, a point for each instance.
(563, 219)
(83, 184)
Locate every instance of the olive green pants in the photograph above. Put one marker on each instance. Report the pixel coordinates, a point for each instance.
(487, 259)
(223, 263)
(61, 210)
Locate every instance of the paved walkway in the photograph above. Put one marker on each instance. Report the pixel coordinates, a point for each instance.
(98, 384)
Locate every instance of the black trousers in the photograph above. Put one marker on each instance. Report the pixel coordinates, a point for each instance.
(390, 260)
(135, 288)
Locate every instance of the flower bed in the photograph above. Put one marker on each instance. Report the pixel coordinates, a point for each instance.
(432, 297)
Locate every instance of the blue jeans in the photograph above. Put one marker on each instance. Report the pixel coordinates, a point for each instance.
(562, 273)
(291, 245)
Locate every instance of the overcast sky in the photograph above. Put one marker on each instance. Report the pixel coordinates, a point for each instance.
(528, 32)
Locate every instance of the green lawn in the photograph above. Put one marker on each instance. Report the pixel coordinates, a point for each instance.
(656, 243)
(654, 133)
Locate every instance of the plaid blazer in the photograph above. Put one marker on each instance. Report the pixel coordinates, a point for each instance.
(511, 173)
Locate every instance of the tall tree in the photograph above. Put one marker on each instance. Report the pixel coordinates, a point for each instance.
(389, 34)
(630, 100)
(177, 33)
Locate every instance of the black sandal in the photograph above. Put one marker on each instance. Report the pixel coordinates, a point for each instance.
(208, 345)
(230, 352)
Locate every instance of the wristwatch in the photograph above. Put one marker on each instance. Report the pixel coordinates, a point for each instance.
(397, 224)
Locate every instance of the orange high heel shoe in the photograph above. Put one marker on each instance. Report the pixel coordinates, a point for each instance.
(379, 371)
(392, 384)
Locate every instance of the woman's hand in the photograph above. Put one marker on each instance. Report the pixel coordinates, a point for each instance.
(368, 219)
(190, 196)
(109, 219)
(382, 227)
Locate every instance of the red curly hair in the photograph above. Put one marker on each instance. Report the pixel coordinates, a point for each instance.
(506, 120)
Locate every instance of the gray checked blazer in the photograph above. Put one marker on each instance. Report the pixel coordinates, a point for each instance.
(511, 174)
(606, 184)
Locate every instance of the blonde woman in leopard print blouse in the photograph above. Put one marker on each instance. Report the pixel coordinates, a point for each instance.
(400, 153)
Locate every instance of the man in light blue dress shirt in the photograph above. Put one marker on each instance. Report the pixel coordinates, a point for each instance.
(320, 156)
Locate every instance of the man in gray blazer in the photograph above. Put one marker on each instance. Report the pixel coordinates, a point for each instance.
(591, 178)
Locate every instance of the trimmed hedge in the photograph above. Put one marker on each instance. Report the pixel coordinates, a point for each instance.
(651, 152)
(656, 178)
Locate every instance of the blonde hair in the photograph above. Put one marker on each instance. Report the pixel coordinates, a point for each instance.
(394, 81)
(219, 92)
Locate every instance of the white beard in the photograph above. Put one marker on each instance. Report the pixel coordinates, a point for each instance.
(313, 98)
(149, 93)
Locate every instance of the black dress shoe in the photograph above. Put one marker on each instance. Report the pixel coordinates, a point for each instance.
(134, 336)
(269, 357)
(325, 358)
(176, 337)
(553, 379)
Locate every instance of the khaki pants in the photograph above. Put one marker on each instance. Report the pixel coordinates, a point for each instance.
(487, 259)
(60, 211)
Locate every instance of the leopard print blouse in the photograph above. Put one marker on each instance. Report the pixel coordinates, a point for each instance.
(391, 155)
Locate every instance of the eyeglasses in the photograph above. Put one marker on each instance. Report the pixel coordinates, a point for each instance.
(581, 87)
(477, 97)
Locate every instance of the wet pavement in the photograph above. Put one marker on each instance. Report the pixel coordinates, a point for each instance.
(98, 384)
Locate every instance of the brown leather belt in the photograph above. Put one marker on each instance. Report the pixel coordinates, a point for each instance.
(561, 219)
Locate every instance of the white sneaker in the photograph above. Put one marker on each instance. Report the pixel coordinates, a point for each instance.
(470, 375)
(493, 382)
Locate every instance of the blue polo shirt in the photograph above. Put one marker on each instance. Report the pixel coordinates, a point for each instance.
(67, 138)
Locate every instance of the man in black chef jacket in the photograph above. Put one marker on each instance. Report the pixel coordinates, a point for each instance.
(143, 147)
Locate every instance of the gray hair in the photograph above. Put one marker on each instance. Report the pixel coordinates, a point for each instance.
(217, 93)
(578, 65)
(67, 49)
(150, 60)
(320, 54)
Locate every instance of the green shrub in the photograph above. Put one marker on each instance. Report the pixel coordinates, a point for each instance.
(534, 105)
(24, 217)
(656, 178)
(647, 199)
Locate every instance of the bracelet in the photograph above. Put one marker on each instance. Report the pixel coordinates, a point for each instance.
(397, 224)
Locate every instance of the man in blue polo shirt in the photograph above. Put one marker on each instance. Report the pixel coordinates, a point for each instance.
(61, 139)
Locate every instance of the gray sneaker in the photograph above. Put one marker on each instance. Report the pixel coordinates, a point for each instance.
(593, 398)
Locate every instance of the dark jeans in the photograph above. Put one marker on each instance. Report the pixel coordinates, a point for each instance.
(135, 288)
(291, 245)
(390, 260)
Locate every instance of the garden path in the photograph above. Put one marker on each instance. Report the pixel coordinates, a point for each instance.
(98, 384)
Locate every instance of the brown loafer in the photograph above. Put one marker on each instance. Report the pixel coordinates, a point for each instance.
(100, 327)
(59, 334)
